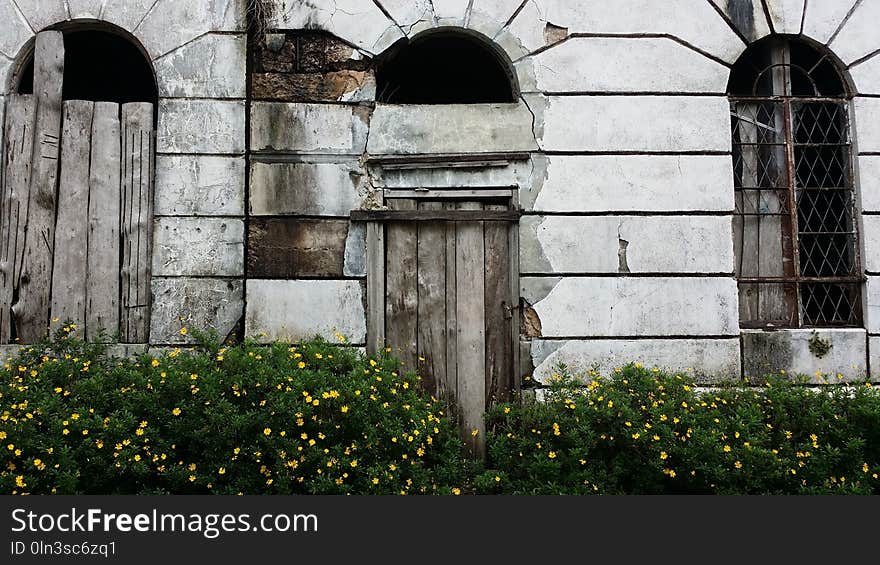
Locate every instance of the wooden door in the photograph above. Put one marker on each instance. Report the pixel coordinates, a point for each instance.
(449, 302)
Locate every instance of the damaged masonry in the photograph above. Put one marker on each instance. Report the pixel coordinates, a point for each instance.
(489, 187)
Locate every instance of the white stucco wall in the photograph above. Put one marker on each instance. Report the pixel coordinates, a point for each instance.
(623, 111)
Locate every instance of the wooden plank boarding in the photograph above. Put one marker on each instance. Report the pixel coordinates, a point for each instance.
(499, 311)
(136, 221)
(71, 231)
(375, 288)
(18, 151)
(471, 338)
(432, 302)
(449, 386)
(104, 210)
(31, 310)
(401, 316)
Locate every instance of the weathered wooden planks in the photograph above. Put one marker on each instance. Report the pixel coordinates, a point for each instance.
(19, 136)
(450, 287)
(136, 220)
(31, 310)
(71, 231)
(103, 218)
(432, 302)
(499, 311)
(375, 288)
(471, 338)
(401, 318)
(449, 385)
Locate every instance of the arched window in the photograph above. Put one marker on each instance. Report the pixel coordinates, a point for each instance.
(444, 68)
(795, 229)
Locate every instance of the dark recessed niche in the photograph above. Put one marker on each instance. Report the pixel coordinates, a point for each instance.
(444, 68)
(100, 66)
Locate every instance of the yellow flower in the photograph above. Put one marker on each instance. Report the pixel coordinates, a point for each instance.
(267, 431)
(221, 470)
(344, 409)
(137, 457)
(192, 478)
(155, 363)
(183, 331)
(19, 482)
(37, 462)
(726, 449)
(375, 481)
(354, 463)
(552, 455)
(301, 365)
(456, 491)
(737, 464)
(2, 435)
(475, 432)
(507, 409)
(664, 456)
(176, 411)
(65, 431)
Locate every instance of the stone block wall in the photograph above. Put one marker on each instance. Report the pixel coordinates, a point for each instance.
(626, 243)
(309, 128)
(198, 51)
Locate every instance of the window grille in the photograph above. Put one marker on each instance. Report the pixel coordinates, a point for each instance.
(796, 237)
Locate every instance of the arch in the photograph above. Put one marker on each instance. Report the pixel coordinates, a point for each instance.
(795, 221)
(814, 69)
(446, 66)
(102, 62)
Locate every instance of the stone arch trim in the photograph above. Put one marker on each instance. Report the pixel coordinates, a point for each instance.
(158, 27)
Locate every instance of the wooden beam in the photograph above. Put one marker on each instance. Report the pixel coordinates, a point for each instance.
(471, 331)
(447, 160)
(435, 215)
(71, 231)
(102, 312)
(136, 223)
(31, 311)
(19, 136)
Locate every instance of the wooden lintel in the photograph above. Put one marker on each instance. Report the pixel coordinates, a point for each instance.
(435, 215)
(443, 161)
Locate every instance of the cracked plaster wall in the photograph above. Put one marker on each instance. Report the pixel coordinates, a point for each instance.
(626, 245)
(627, 194)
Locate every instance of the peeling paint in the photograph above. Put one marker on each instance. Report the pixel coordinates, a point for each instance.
(531, 322)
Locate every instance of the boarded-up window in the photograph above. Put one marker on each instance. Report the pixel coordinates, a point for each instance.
(76, 209)
(795, 233)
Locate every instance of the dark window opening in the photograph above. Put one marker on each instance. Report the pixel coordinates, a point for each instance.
(102, 67)
(444, 69)
(795, 229)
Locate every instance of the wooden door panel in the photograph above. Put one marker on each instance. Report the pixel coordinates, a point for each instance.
(432, 301)
(448, 299)
(498, 311)
(471, 327)
(401, 298)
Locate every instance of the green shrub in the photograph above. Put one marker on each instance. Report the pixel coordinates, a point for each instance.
(647, 432)
(277, 419)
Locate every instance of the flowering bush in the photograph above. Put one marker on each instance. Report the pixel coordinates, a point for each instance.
(647, 432)
(277, 419)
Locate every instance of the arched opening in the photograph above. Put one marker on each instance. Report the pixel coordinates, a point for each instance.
(445, 67)
(101, 66)
(795, 223)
